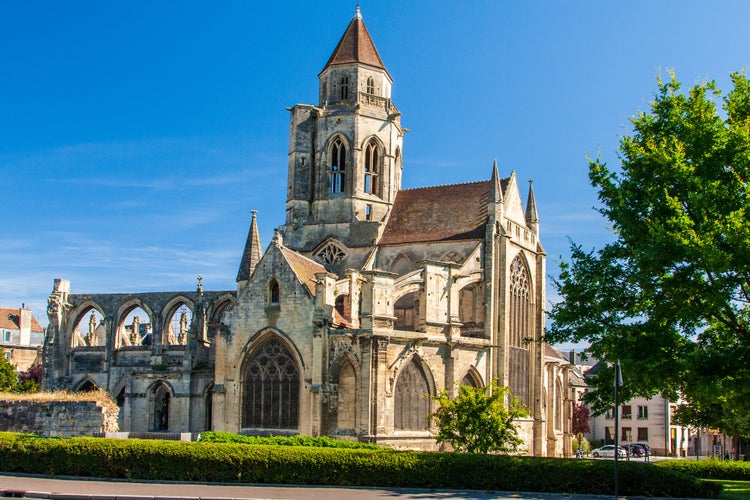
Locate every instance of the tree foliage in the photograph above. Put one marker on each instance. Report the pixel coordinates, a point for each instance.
(478, 420)
(8, 377)
(581, 417)
(670, 296)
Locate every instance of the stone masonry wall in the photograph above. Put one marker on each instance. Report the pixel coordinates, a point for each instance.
(57, 418)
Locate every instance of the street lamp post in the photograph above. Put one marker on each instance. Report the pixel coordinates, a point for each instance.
(618, 383)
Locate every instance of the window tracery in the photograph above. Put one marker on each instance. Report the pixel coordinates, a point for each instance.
(370, 85)
(330, 253)
(271, 388)
(337, 169)
(520, 326)
(372, 158)
(412, 408)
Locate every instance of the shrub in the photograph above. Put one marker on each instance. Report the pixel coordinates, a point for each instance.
(583, 444)
(227, 462)
(710, 468)
(319, 442)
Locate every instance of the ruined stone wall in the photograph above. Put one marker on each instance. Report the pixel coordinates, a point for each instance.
(57, 418)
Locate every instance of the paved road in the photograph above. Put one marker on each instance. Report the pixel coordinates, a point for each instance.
(24, 486)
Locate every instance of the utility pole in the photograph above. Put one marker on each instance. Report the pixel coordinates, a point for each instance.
(618, 383)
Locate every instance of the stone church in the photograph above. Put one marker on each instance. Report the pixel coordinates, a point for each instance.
(369, 298)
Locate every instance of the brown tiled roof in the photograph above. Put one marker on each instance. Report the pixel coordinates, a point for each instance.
(356, 46)
(438, 213)
(303, 267)
(9, 318)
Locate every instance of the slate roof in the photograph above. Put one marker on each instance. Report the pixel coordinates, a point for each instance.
(10, 318)
(303, 267)
(551, 352)
(356, 46)
(439, 213)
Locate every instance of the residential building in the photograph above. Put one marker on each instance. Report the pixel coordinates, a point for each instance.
(21, 336)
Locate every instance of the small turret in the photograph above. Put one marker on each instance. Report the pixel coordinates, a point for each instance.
(532, 218)
(251, 255)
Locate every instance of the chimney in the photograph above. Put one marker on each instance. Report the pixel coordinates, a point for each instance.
(24, 325)
(572, 357)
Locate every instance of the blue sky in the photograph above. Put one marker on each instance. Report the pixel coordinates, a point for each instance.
(135, 137)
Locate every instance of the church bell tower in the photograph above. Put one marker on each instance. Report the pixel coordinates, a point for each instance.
(345, 153)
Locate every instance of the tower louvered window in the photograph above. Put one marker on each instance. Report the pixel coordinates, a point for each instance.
(337, 171)
(344, 88)
(372, 158)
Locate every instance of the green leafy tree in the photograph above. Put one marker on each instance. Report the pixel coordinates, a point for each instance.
(8, 377)
(479, 419)
(670, 296)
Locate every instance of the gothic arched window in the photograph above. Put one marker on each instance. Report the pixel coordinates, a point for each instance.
(370, 85)
(270, 398)
(346, 410)
(344, 88)
(520, 329)
(337, 172)
(273, 292)
(520, 303)
(161, 408)
(412, 404)
(372, 159)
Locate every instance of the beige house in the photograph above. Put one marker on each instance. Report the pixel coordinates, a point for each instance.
(21, 337)
(369, 298)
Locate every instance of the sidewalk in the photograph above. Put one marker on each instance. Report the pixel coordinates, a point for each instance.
(75, 488)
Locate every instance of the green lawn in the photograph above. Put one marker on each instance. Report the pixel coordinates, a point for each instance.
(733, 490)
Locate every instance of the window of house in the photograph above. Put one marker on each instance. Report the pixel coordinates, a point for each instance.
(627, 411)
(370, 85)
(609, 414)
(609, 435)
(338, 166)
(6, 336)
(371, 168)
(642, 433)
(626, 435)
(643, 412)
(7, 355)
(368, 212)
(344, 87)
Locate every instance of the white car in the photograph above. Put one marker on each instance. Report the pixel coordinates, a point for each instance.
(608, 451)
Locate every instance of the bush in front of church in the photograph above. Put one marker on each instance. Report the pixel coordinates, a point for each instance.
(227, 462)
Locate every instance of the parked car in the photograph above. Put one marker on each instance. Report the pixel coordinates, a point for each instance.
(646, 447)
(608, 451)
(636, 450)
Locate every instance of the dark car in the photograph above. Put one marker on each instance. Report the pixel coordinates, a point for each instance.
(646, 447)
(636, 450)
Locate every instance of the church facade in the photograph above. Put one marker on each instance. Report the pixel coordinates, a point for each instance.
(369, 298)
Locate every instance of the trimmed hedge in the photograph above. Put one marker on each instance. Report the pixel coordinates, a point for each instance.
(710, 468)
(297, 440)
(223, 462)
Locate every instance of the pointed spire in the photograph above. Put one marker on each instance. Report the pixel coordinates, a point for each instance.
(251, 255)
(497, 192)
(532, 218)
(356, 46)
